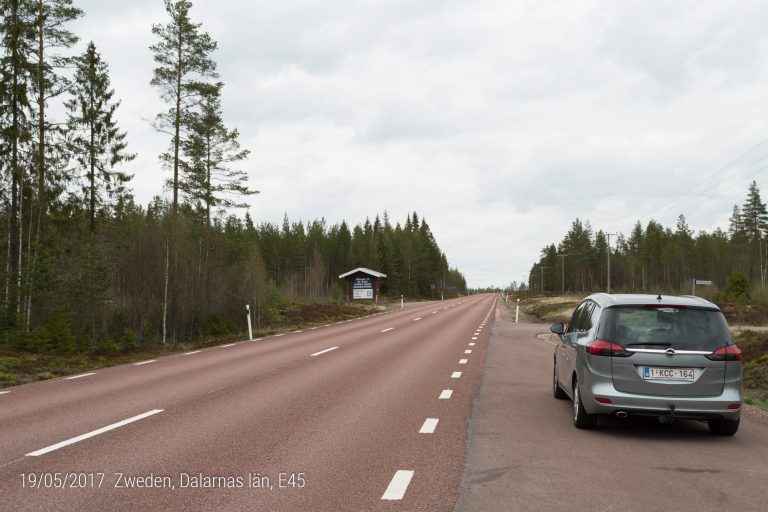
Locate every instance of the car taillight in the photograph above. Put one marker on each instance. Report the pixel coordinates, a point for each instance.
(726, 353)
(606, 348)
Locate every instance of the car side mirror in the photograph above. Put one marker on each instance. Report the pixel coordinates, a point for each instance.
(557, 328)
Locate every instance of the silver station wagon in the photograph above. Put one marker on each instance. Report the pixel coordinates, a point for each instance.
(646, 355)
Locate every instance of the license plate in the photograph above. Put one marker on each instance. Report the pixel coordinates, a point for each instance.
(678, 374)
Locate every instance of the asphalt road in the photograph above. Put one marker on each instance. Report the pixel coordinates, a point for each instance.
(369, 414)
(525, 455)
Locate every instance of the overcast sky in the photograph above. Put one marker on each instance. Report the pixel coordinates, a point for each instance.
(498, 121)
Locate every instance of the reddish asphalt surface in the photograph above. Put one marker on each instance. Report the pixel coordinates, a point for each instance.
(345, 422)
(525, 455)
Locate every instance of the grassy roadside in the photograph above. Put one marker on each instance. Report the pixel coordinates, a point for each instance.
(18, 367)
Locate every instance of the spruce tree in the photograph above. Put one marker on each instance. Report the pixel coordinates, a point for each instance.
(96, 142)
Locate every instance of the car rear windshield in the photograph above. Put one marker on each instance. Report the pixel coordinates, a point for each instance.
(668, 326)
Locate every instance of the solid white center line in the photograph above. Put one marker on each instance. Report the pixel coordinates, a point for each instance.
(429, 426)
(467, 351)
(190, 353)
(462, 361)
(416, 319)
(471, 344)
(96, 432)
(398, 485)
(445, 394)
(456, 375)
(387, 329)
(79, 376)
(144, 362)
(323, 351)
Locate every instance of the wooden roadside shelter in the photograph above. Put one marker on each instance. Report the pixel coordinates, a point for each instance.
(362, 284)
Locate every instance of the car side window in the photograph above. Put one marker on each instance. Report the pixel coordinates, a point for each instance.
(595, 318)
(585, 322)
(576, 319)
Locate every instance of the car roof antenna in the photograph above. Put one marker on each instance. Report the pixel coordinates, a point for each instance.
(658, 298)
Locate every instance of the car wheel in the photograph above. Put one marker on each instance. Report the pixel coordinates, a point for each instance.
(557, 391)
(581, 419)
(724, 427)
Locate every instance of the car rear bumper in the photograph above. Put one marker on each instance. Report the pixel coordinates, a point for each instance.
(698, 408)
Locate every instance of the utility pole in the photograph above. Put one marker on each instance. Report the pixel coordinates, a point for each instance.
(563, 267)
(542, 278)
(609, 235)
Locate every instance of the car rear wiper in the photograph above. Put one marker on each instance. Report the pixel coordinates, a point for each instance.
(657, 343)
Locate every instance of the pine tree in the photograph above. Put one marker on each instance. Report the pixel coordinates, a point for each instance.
(183, 57)
(16, 75)
(211, 149)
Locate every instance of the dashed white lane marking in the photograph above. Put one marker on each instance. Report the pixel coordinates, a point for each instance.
(474, 337)
(471, 344)
(387, 329)
(144, 362)
(398, 485)
(4, 392)
(456, 375)
(190, 353)
(462, 361)
(445, 394)
(429, 426)
(467, 351)
(434, 312)
(416, 319)
(79, 376)
(323, 351)
(228, 345)
(96, 432)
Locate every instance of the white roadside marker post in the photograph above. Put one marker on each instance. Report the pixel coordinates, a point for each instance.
(517, 311)
(402, 302)
(250, 328)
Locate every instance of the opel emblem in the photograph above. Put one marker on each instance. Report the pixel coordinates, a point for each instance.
(670, 352)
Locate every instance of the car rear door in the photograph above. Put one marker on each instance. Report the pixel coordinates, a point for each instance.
(669, 347)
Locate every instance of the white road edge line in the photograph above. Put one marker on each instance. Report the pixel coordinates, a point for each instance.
(79, 376)
(144, 362)
(4, 392)
(387, 329)
(398, 485)
(462, 361)
(228, 345)
(456, 375)
(190, 353)
(429, 426)
(93, 433)
(323, 351)
(446, 394)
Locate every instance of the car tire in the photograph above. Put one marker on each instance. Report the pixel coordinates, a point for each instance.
(723, 427)
(557, 391)
(581, 419)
